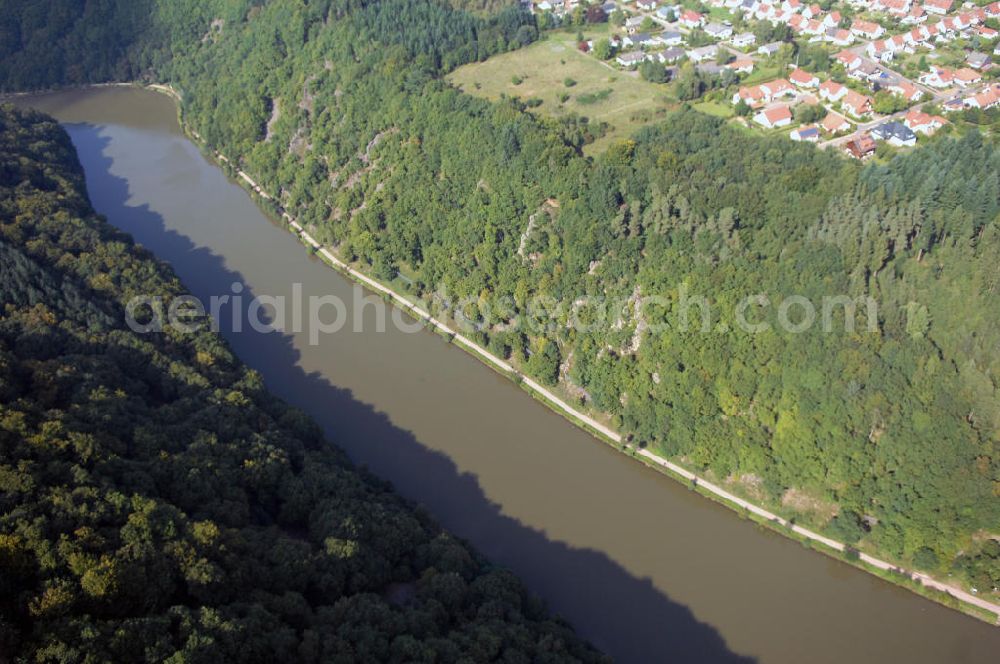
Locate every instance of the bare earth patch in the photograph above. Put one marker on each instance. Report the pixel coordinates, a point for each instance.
(802, 502)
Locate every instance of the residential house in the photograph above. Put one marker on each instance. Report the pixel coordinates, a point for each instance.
(984, 100)
(879, 50)
(987, 33)
(857, 104)
(744, 39)
(703, 53)
(630, 59)
(691, 19)
(866, 71)
(633, 25)
(953, 105)
(939, 7)
(867, 29)
(718, 31)
(670, 55)
(899, 44)
(916, 36)
(777, 88)
(769, 49)
(895, 133)
(670, 38)
(966, 77)
(906, 90)
(752, 96)
(809, 134)
(897, 8)
(923, 123)
(741, 66)
(803, 79)
(774, 116)
(978, 60)
(764, 11)
(639, 39)
(916, 16)
(839, 37)
(812, 11)
(938, 77)
(813, 27)
(832, 91)
(647, 5)
(860, 146)
(849, 59)
(710, 68)
(835, 123)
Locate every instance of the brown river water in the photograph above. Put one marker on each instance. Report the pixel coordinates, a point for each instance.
(643, 567)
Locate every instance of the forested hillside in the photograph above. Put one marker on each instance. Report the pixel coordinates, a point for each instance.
(885, 436)
(157, 504)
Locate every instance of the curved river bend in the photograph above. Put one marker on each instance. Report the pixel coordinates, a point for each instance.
(643, 567)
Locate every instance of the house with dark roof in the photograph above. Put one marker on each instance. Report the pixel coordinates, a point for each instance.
(638, 39)
(769, 49)
(809, 134)
(895, 133)
(670, 55)
(703, 53)
(670, 38)
(718, 30)
(978, 60)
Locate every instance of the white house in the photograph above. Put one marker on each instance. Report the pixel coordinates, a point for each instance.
(630, 59)
(718, 31)
(867, 29)
(775, 116)
(809, 134)
(803, 79)
(832, 91)
(895, 133)
(703, 53)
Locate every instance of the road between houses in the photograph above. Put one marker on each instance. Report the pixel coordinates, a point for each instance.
(859, 49)
(558, 404)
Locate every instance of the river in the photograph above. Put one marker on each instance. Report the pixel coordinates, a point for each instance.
(643, 567)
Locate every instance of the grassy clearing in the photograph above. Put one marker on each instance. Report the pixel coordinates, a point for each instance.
(718, 109)
(543, 69)
(762, 73)
(720, 14)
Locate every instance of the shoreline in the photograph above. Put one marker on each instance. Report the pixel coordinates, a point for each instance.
(920, 583)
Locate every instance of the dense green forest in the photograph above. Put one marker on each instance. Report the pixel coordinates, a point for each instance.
(157, 504)
(885, 435)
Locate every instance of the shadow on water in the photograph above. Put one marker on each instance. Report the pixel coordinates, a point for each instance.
(625, 616)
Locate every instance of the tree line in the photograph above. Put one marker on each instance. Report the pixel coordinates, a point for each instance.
(891, 431)
(158, 504)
